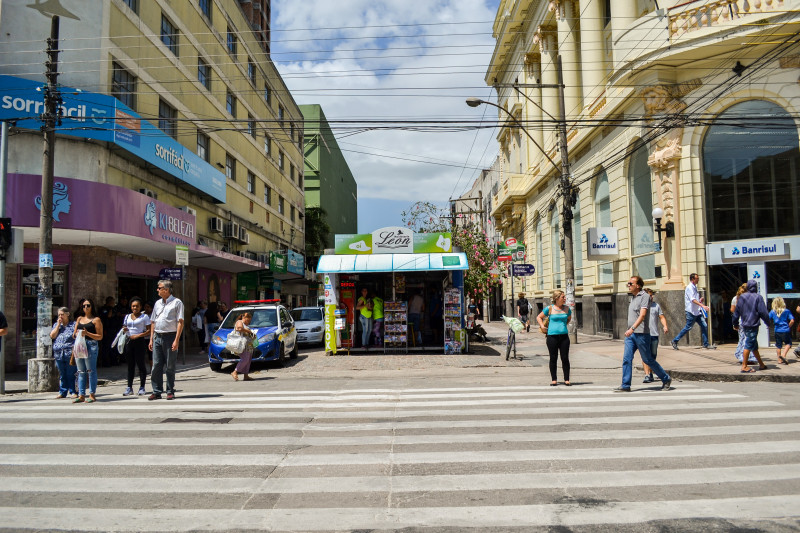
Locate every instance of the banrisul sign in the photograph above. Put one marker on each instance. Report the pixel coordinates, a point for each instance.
(393, 240)
(602, 243)
(754, 248)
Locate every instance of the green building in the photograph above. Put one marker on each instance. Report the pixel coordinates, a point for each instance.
(329, 184)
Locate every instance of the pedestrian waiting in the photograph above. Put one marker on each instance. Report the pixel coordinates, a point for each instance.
(750, 309)
(782, 320)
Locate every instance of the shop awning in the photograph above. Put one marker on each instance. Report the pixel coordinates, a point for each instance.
(330, 264)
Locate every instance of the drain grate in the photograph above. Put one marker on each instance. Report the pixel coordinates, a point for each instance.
(197, 420)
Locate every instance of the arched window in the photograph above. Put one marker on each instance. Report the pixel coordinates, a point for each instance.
(750, 171)
(641, 226)
(602, 218)
(555, 248)
(539, 253)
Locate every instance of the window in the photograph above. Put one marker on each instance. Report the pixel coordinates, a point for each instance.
(267, 196)
(641, 200)
(267, 95)
(205, 7)
(251, 125)
(291, 213)
(555, 248)
(291, 130)
(231, 42)
(752, 186)
(167, 119)
(202, 146)
(230, 103)
(251, 182)
(539, 253)
(280, 205)
(230, 167)
(123, 85)
(577, 248)
(291, 172)
(281, 160)
(204, 73)
(251, 70)
(602, 219)
(300, 180)
(169, 35)
(280, 115)
(133, 4)
(267, 146)
(300, 139)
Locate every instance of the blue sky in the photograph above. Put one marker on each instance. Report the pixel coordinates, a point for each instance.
(388, 60)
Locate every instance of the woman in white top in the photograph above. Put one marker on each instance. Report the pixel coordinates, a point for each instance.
(137, 326)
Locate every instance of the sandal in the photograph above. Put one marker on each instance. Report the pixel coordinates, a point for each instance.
(553, 384)
(79, 399)
(762, 367)
(748, 371)
(235, 376)
(568, 384)
(91, 400)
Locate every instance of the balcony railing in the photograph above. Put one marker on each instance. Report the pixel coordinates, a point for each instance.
(689, 17)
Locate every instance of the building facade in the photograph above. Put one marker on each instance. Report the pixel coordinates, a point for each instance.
(329, 184)
(177, 130)
(690, 109)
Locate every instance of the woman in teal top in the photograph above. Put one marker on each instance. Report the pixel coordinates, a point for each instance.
(557, 339)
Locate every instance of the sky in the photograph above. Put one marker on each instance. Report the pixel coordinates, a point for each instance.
(394, 60)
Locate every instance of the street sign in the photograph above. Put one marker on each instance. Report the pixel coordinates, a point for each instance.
(181, 255)
(171, 273)
(511, 242)
(523, 270)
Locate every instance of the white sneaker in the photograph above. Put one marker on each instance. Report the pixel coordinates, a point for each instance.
(142, 392)
(128, 392)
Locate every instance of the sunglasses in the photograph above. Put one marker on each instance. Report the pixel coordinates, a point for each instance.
(87, 305)
(630, 284)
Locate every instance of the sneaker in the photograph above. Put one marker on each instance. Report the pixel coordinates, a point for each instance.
(666, 384)
(128, 392)
(622, 389)
(707, 347)
(170, 396)
(674, 345)
(648, 379)
(797, 352)
(154, 396)
(142, 392)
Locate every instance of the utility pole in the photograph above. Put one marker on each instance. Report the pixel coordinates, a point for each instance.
(42, 375)
(568, 196)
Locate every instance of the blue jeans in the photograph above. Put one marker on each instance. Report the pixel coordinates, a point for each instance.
(66, 377)
(654, 346)
(416, 319)
(641, 342)
(88, 365)
(690, 320)
(163, 354)
(366, 329)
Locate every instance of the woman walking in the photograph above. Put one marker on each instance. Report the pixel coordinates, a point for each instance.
(782, 319)
(557, 338)
(242, 327)
(137, 326)
(92, 329)
(63, 341)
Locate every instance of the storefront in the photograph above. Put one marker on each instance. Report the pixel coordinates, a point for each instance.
(421, 265)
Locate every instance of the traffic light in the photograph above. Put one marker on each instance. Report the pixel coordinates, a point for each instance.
(5, 233)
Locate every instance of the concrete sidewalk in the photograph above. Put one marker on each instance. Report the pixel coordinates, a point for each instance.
(692, 363)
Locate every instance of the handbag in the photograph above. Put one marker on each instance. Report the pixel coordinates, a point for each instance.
(236, 342)
(546, 321)
(79, 350)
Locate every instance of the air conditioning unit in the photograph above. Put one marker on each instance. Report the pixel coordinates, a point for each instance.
(215, 224)
(251, 255)
(148, 192)
(187, 209)
(262, 258)
(231, 230)
(244, 235)
(241, 253)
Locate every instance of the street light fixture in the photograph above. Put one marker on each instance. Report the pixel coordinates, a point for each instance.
(668, 228)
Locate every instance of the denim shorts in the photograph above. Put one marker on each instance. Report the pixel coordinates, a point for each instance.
(783, 337)
(751, 339)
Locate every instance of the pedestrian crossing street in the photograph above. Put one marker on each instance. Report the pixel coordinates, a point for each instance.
(522, 457)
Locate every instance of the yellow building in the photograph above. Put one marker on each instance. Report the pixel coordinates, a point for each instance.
(176, 113)
(690, 109)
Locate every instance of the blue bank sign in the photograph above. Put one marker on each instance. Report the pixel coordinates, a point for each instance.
(104, 118)
(754, 249)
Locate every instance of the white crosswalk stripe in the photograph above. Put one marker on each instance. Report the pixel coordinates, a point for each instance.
(381, 458)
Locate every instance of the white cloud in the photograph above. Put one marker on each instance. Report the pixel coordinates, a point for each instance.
(426, 83)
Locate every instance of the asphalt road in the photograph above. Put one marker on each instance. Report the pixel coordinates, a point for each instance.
(417, 447)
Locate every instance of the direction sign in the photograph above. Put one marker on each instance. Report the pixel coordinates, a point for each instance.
(523, 270)
(170, 273)
(511, 241)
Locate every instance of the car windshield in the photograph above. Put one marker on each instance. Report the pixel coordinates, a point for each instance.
(262, 318)
(306, 315)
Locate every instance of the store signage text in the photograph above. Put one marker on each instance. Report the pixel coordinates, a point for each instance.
(23, 104)
(178, 230)
(602, 243)
(750, 249)
(172, 157)
(393, 240)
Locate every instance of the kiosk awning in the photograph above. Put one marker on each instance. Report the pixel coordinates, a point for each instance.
(330, 264)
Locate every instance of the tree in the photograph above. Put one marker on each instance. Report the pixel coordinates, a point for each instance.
(317, 231)
(425, 217)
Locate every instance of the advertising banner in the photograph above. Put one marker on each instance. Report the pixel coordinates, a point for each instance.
(393, 240)
(432, 243)
(357, 243)
(278, 262)
(297, 263)
(601, 243)
(329, 284)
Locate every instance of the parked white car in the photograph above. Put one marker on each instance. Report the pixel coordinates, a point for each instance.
(310, 324)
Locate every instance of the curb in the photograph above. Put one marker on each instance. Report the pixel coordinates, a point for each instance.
(756, 376)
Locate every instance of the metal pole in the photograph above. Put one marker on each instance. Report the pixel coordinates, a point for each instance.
(3, 176)
(183, 299)
(43, 381)
(566, 211)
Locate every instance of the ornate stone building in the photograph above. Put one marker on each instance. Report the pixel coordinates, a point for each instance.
(689, 107)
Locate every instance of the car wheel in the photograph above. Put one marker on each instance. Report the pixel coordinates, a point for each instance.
(215, 367)
(294, 353)
(282, 356)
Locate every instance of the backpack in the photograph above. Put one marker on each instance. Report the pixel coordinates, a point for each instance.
(523, 307)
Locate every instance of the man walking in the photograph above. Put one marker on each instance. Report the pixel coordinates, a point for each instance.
(167, 322)
(523, 310)
(637, 337)
(693, 305)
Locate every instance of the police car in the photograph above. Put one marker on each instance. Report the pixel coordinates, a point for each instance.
(273, 326)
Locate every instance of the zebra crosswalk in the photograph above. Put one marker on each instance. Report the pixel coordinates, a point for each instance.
(386, 459)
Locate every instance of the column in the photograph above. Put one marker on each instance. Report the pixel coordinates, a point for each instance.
(570, 56)
(533, 111)
(593, 63)
(547, 43)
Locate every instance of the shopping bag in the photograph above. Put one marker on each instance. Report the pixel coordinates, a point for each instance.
(120, 340)
(236, 342)
(79, 350)
(514, 324)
